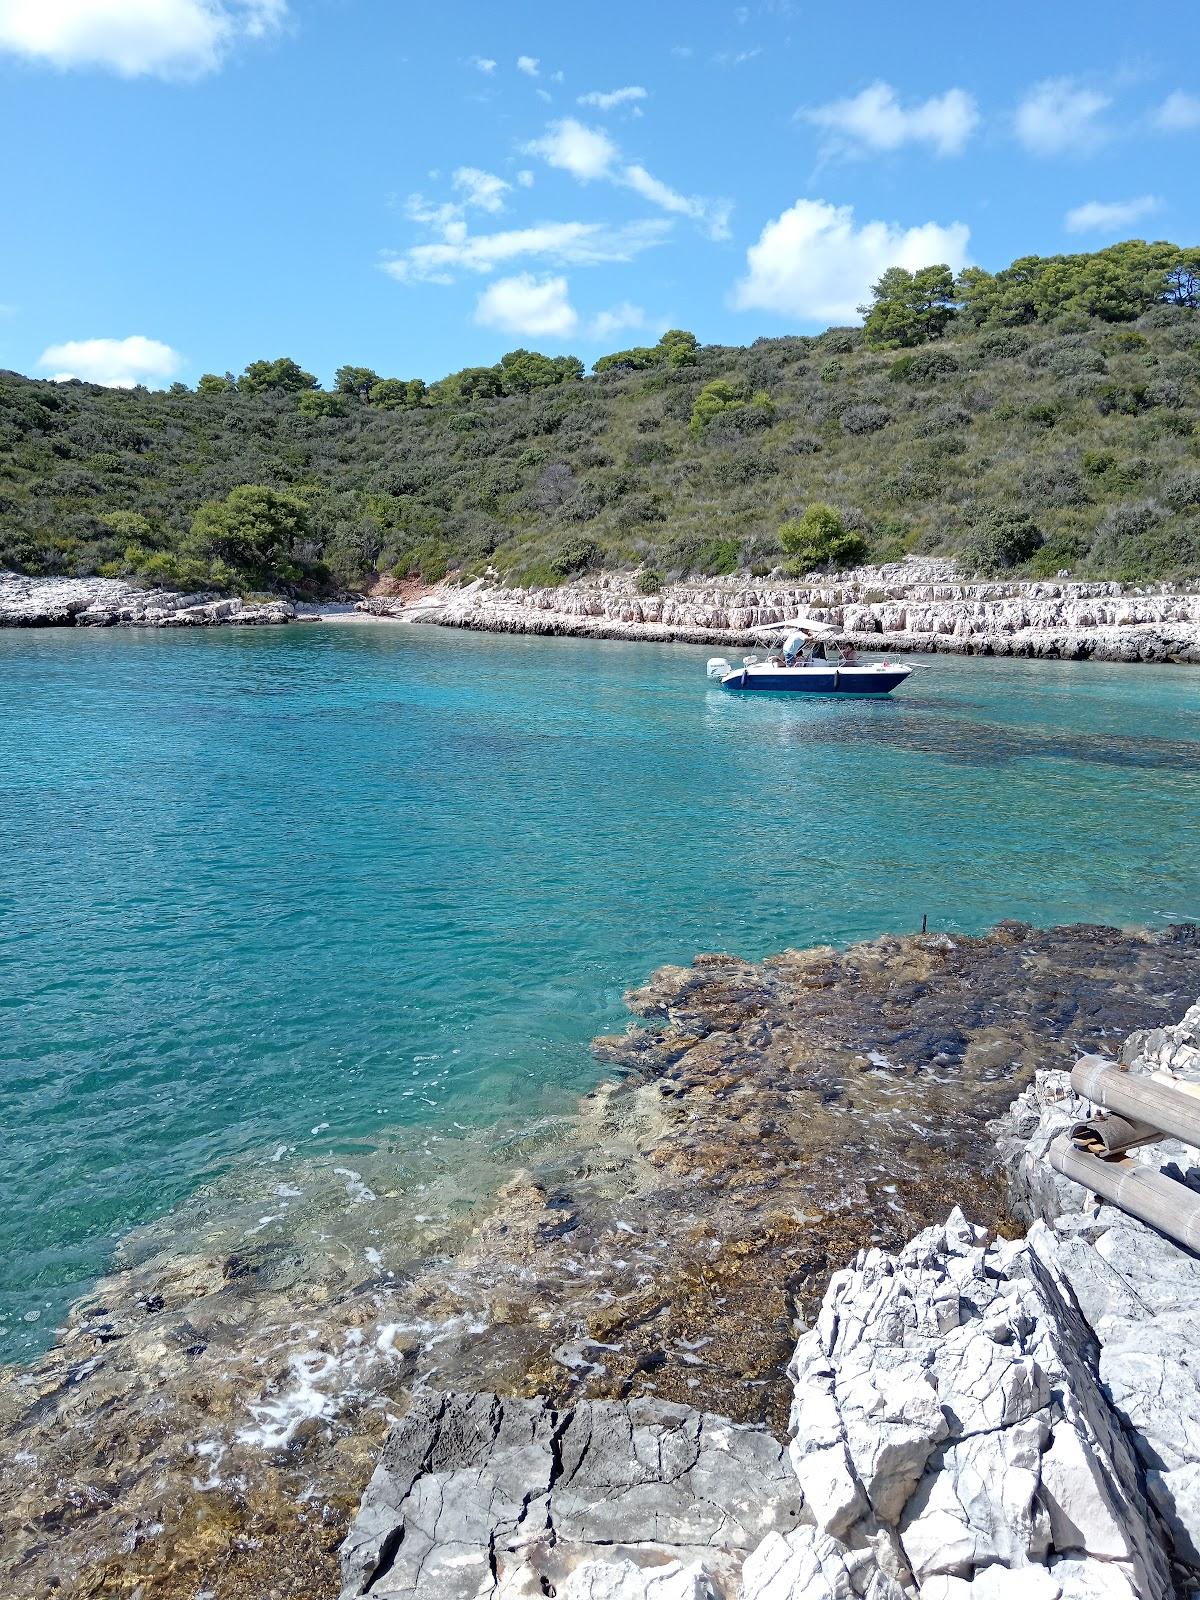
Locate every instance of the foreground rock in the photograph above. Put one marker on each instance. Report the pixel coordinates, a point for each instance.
(950, 1423)
(209, 1418)
(1138, 1292)
(950, 1437)
(479, 1495)
(914, 605)
(111, 602)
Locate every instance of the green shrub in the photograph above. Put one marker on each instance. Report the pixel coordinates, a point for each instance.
(718, 557)
(998, 539)
(649, 581)
(819, 539)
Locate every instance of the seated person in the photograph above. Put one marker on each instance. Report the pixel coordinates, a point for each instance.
(849, 656)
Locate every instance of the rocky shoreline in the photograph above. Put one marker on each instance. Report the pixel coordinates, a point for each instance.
(915, 605)
(920, 606)
(209, 1418)
(113, 603)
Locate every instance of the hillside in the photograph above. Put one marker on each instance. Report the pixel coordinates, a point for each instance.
(1034, 430)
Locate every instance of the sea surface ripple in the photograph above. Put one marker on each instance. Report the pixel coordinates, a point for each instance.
(266, 894)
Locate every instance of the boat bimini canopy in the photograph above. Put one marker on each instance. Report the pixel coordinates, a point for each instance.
(809, 626)
(796, 634)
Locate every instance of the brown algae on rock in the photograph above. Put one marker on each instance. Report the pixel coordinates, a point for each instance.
(208, 1418)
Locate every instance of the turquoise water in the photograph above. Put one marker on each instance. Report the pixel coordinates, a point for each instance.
(291, 887)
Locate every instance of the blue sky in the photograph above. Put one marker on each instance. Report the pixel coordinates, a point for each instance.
(194, 184)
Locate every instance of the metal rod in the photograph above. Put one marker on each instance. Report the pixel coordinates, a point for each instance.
(1138, 1097)
(1149, 1196)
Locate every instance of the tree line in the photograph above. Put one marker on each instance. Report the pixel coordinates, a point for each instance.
(1119, 284)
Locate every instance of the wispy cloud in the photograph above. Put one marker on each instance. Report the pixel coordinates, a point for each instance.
(1110, 216)
(589, 154)
(115, 363)
(483, 190)
(1061, 117)
(529, 65)
(557, 243)
(814, 263)
(622, 318)
(875, 120)
(584, 152)
(609, 100)
(1179, 113)
(483, 64)
(736, 58)
(136, 38)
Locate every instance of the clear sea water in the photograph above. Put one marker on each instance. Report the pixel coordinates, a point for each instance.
(289, 888)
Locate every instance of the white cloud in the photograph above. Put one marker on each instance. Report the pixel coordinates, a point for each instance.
(1110, 216)
(484, 190)
(1059, 117)
(588, 153)
(528, 65)
(528, 306)
(616, 319)
(814, 264)
(163, 38)
(525, 178)
(561, 243)
(736, 58)
(875, 120)
(483, 64)
(609, 100)
(115, 363)
(585, 153)
(1179, 113)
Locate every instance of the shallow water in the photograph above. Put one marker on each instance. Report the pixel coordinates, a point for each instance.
(271, 893)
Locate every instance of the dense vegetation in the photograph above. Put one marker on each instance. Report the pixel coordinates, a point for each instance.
(1042, 417)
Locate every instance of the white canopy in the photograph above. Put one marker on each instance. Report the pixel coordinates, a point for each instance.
(809, 626)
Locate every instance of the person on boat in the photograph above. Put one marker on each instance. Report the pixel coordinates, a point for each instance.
(849, 656)
(818, 650)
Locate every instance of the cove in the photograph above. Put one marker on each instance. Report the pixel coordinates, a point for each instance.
(271, 893)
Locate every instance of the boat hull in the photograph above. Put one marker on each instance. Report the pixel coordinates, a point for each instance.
(811, 680)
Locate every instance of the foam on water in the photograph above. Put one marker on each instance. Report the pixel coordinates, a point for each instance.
(332, 901)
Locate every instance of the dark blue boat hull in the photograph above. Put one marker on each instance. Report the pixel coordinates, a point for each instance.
(810, 681)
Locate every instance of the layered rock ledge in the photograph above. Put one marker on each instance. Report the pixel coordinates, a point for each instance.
(914, 605)
(113, 603)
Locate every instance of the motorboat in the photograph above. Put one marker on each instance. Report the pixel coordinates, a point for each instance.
(805, 659)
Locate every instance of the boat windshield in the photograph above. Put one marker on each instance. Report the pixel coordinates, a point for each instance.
(820, 652)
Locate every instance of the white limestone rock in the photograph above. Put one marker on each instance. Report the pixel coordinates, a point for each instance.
(948, 1416)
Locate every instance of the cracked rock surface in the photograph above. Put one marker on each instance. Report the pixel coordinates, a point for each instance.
(950, 1438)
(475, 1494)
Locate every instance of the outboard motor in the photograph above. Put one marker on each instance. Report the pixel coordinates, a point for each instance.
(717, 666)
